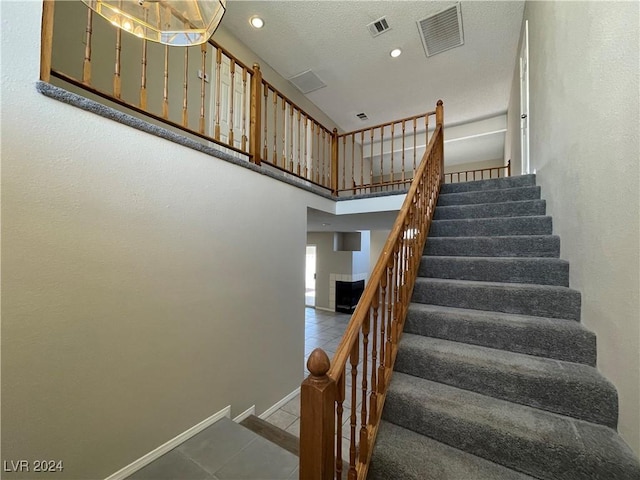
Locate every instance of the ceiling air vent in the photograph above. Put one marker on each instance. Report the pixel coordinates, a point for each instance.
(362, 116)
(442, 31)
(379, 26)
(307, 82)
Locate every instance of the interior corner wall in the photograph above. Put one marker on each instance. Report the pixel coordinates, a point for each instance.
(512, 140)
(584, 102)
(377, 240)
(139, 294)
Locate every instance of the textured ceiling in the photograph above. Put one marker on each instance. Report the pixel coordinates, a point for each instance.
(331, 38)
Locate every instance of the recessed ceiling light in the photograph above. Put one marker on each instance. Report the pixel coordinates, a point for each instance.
(256, 22)
(395, 52)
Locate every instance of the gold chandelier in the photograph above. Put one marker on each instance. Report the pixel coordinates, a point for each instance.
(171, 22)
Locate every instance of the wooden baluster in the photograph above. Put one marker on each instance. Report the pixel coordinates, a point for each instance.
(364, 443)
(353, 358)
(318, 158)
(344, 162)
(291, 139)
(339, 411)
(373, 399)
(244, 110)
(396, 287)
(299, 142)
(311, 163)
(381, 156)
(403, 174)
(324, 156)
(414, 146)
(390, 299)
(255, 116)
(392, 135)
(165, 87)
(117, 83)
(382, 378)
(143, 73)
(333, 138)
(361, 160)
(232, 90)
(284, 133)
(216, 130)
(509, 168)
(275, 128)
(353, 159)
(86, 63)
(371, 157)
(265, 152)
(317, 419)
(203, 89)
(306, 157)
(185, 86)
(46, 39)
(440, 121)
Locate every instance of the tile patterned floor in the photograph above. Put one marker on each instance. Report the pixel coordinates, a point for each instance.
(228, 451)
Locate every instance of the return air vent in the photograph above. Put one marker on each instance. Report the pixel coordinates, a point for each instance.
(307, 82)
(362, 116)
(442, 31)
(379, 26)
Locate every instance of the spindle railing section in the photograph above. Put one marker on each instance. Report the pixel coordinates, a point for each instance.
(209, 94)
(478, 174)
(356, 379)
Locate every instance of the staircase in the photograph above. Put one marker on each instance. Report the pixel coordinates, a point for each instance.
(495, 376)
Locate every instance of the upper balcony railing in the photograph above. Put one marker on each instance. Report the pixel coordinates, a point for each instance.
(209, 94)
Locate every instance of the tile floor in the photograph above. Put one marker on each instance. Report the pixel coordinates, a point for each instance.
(325, 330)
(223, 451)
(226, 450)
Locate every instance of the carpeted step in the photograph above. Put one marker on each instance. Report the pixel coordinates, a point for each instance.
(536, 300)
(400, 453)
(489, 196)
(544, 337)
(541, 444)
(566, 388)
(542, 271)
(489, 184)
(483, 227)
(499, 246)
(490, 210)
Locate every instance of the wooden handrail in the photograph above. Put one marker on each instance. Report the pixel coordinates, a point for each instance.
(379, 315)
(374, 127)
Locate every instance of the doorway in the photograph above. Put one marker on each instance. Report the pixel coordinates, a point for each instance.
(310, 277)
(524, 100)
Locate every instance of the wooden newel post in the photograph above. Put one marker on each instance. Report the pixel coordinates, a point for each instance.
(317, 420)
(255, 115)
(509, 168)
(334, 162)
(440, 121)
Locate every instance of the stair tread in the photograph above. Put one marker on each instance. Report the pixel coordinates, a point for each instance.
(531, 192)
(403, 453)
(492, 226)
(491, 219)
(507, 209)
(494, 246)
(518, 436)
(504, 285)
(567, 388)
(489, 184)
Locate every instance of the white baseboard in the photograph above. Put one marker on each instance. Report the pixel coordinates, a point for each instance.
(248, 412)
(170, 445)
(279, 404)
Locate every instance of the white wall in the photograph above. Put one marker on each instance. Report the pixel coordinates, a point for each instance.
(328, 261)
(145, 285)
(584, 64)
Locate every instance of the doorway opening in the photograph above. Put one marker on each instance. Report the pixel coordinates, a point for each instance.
(310, 277)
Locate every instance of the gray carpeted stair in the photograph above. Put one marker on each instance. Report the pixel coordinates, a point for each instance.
(495, 376)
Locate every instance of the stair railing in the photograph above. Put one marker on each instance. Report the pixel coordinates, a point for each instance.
(478, 174)
(342, 399)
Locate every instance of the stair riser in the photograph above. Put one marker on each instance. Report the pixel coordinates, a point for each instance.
(490, 210)
(538, 456)
(523, 246)
(520, 299)
(535, 271)
(490, 196)
(493, 184)
(547, 389)
(491, 227)
(538, 339)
